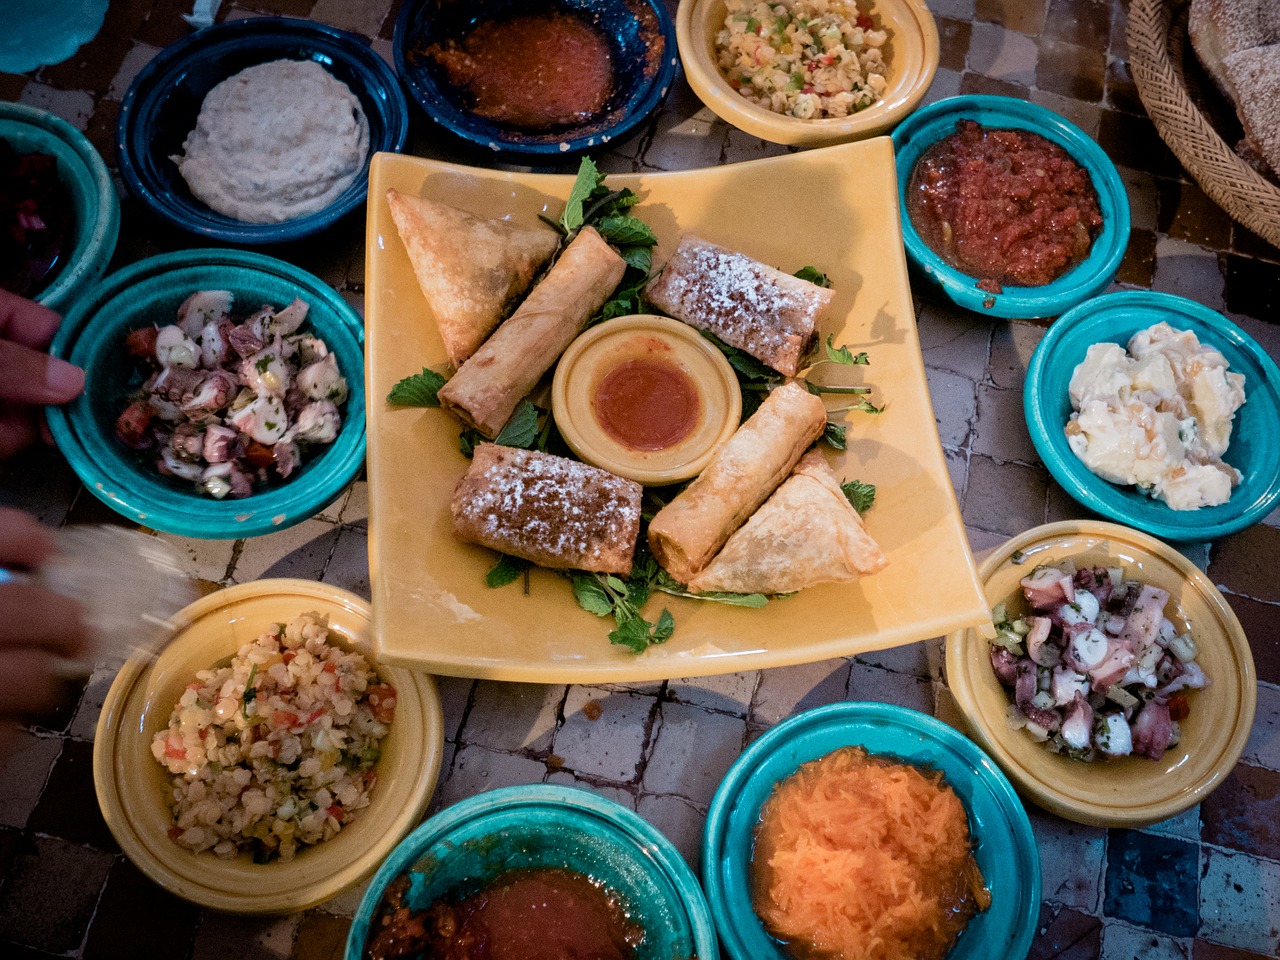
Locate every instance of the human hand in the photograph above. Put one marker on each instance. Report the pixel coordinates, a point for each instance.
(29, 377)
(37, 626)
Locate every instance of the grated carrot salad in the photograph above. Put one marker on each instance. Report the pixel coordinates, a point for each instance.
(865, 858)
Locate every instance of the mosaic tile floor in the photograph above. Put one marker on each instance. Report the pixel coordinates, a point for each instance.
(1202, 886)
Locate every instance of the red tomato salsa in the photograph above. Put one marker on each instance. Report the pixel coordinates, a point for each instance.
(541, 913)
(646, 404)
(535, 71)
(1006, 206)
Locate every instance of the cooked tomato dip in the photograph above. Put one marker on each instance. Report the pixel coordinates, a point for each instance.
(543, 913)
(646, 403)
(1006, 206)
(36, 220)
(534, 71)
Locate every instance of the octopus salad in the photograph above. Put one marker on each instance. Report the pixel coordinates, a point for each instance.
(1096, 669)
(229, 402)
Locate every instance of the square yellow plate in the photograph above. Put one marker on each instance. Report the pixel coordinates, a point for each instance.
(835, 208)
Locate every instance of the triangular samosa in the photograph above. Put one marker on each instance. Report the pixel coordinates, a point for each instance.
(806, 533)
(471, 269)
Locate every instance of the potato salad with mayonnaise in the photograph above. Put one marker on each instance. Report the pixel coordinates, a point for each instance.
(229, 402)
(1157, 416)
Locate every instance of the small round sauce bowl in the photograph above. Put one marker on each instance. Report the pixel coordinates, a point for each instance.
(645, 397)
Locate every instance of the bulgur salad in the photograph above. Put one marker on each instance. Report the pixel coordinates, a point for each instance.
(809, 59)
(275, 749)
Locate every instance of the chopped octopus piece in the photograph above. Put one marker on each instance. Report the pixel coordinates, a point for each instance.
(1095, 669)
(220, 402)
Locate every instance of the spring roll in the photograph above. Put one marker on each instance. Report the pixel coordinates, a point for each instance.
(806, 533)
(748, 304)
(471, 269)
(550, 510)
(485, 390)
(686, 533)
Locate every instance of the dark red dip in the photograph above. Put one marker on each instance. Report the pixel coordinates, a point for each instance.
(535, 71)
(1006, 206)
(526, 914)
(647, 403)
(37, 224)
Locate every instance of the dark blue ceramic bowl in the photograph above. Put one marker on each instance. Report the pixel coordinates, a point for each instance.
(642, 39)
(161, 107)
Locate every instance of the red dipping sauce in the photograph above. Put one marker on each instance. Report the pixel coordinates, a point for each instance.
(647, 403)
(1006, 206)
(526, 914)
(535, 71)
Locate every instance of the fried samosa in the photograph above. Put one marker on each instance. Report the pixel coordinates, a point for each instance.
(805, 534)
(471, 269)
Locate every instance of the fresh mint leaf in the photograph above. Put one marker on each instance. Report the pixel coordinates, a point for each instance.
(834, 434)
(591, 594)
(418, 390)
(506, 570)
(469, 439)
(522, 429)
(639, 258)
(589, 177)
(845, 356)
(813, 275)
(625, 231)
(664, 628)
(860, 495)
(666, 583)
(632, 633)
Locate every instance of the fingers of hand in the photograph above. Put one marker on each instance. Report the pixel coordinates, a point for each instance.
(26, 322)
(24, 542)
(19, 428)
(30, 679)
(28, 375)
(34, 617)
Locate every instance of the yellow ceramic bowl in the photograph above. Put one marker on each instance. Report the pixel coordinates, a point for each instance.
(1126, 792)
(912, 60)
(133, 788)
(645, 338)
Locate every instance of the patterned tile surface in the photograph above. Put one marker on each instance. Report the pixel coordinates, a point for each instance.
(1202, 886)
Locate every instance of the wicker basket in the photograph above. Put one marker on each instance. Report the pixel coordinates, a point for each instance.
(1158, 45)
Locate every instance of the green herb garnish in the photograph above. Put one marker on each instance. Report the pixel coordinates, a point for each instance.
(506, 570)
(860, 495)
(418, 390)
(250, 692)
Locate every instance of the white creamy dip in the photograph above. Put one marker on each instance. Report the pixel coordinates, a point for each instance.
(1157, 416)
(276, 141)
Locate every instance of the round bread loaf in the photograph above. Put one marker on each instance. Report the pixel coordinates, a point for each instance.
(1238, 43)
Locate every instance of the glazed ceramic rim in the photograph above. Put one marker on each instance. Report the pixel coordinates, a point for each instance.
(494, 803)
(1088, 278)
(90, 181)
(1115, 317)
(163, 862)
(697, 42)
(459, 123)
(569, 411)
(933, 736)
(92, 454)
(167, 68)
(1040, 789)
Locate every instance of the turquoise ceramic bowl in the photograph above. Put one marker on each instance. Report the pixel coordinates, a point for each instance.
(1090, 277)
(92, 336)
(1005, 846)
(93, 196)
(463, 847)
(1255, 436)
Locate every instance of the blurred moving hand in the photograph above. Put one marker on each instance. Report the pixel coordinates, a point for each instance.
(29, 377)
(37, 626)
